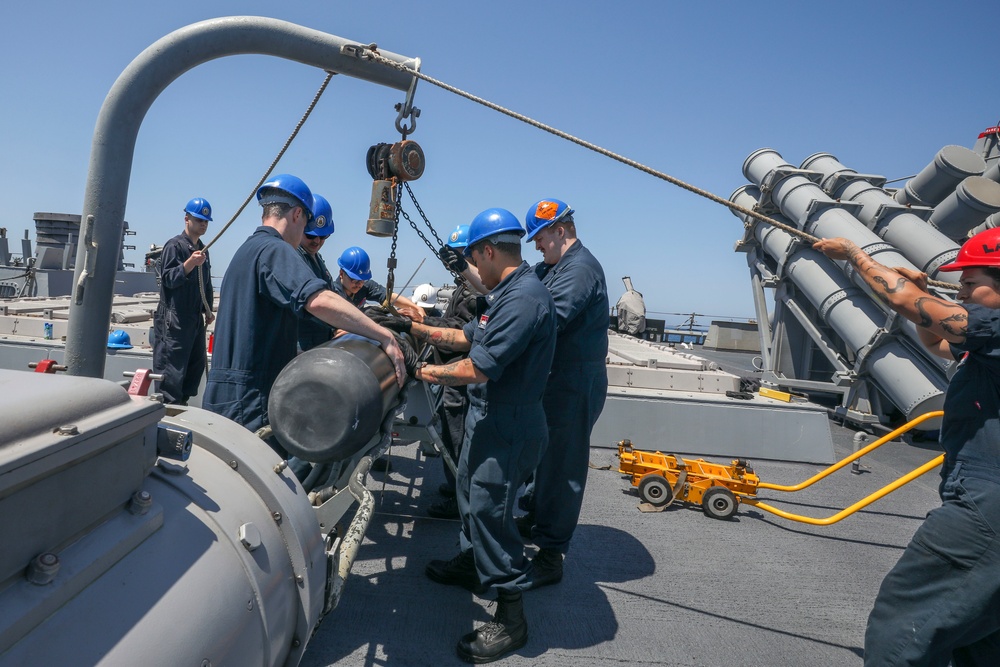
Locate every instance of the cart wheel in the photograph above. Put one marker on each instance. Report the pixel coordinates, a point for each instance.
(719, 503)
(654, 490)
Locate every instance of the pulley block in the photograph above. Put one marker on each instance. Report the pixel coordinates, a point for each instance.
(403, 160)
(377, 161)
(406, 160)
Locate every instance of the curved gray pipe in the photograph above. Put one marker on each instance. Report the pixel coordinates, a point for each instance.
(118, 126)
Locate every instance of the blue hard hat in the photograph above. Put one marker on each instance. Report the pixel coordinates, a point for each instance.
(287, 189)
(355, 263)
(492, 222)
(322, 220)
(545, 212)
(119, 340)
(459, 238)
(199, 208)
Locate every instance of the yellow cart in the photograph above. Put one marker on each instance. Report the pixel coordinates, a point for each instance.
(719, 489)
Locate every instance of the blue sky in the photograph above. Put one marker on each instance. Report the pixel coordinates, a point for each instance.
(688, 88)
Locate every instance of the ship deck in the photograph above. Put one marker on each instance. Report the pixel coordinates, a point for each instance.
(667, 588)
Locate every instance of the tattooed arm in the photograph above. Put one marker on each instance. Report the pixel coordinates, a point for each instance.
(443, 338)
(932, 341)
(904, 290)
(459, 373)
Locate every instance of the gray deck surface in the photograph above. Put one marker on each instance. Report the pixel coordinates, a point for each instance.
(669, 588)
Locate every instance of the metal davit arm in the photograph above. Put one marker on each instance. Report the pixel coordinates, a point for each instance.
(118, 126)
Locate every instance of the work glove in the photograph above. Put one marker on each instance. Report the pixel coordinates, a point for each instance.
(410, 358)
(453, 259)
(392, 322)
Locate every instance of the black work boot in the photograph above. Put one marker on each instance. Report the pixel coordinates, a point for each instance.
(508, 631)
(459, 571)
(546, 569)
(446, 509)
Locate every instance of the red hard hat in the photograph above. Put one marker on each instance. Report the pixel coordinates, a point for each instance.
(983, 249)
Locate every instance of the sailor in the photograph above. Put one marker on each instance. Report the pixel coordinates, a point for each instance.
(266, 289)
(576, 388)
(312, 331)
(941, 601)
(425, 296)
(460, 310)
(185, 308)
(510, 348)
(355, 283)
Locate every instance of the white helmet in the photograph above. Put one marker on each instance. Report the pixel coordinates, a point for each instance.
(425, 295)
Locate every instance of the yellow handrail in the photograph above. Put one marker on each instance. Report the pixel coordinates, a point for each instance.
(906, 479)
(858, 454)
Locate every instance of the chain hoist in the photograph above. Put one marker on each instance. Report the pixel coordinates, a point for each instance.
(390, 165)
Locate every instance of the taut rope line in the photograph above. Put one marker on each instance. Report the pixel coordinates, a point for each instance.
(374, 55)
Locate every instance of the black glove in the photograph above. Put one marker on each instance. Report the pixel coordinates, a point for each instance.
(392, 322)
(453, 259)
(410, 358)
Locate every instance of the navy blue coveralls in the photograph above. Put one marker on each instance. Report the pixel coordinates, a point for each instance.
(505, 434)
(179, 321)
(575, 394)
(461, 309)
(313, 331)
(941, 600)
(264, 294)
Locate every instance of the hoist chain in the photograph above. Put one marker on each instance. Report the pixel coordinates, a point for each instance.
(424, 217)
(430, 227)
(794, 231)
(390, 281)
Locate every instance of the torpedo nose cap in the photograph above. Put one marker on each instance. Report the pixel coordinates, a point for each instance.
(330, 401)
